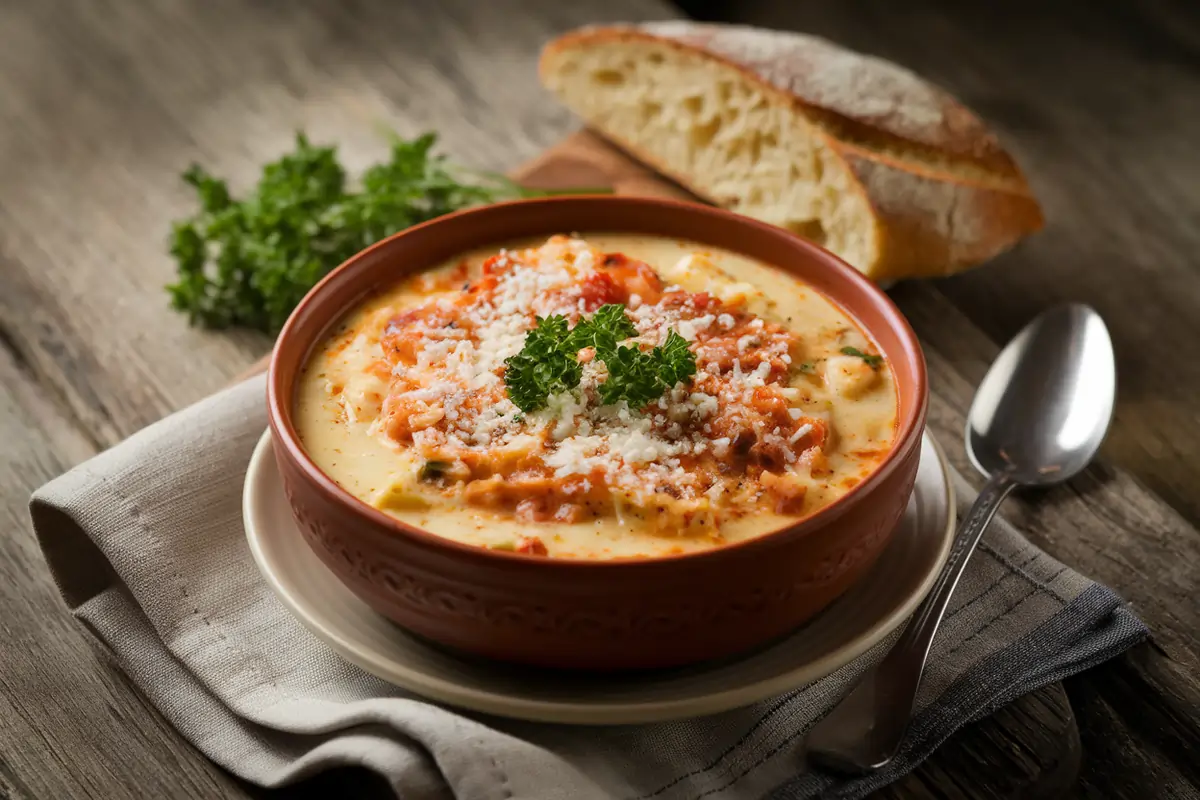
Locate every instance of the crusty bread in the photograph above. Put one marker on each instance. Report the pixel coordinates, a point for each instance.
(853, 152)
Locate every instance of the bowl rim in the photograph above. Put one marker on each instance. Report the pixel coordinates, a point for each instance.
(280, 399)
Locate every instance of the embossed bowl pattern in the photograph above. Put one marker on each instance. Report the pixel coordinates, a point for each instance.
(620, 614)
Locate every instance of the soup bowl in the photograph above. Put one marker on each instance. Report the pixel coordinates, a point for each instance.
(596, 614)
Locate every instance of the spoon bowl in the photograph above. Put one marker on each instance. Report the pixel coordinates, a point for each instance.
(1042, 411)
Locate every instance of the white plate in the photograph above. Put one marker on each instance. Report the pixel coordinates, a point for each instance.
(848, 628)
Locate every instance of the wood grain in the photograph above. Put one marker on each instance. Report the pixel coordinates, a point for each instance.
(1099, 101)
(102, 105)
(70, 723)
(103, 102)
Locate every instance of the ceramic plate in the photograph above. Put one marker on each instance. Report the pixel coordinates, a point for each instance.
(859, 619)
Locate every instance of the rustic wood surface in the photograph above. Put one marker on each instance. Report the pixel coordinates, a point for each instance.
(103, 103)
(1100, 101)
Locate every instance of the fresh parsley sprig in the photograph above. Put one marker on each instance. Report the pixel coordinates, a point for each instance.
(548, 363)
(637, 376)
(603, 331)
(248, 262)
(676, 362)
(545, 365)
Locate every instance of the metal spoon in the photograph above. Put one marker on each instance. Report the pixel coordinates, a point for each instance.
(1037, 419)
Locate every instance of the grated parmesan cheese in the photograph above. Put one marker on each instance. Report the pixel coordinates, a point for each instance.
(455, 389)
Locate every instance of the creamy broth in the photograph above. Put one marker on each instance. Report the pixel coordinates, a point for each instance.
(357, 420)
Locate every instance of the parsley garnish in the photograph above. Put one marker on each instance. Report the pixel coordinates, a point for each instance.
(248, 262)
(607, 326)
(676, 363)
(638, 377)
(545, 365)
(548, 363)
(872, 361)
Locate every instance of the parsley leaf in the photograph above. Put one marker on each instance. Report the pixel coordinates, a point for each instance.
(607, 326)
(545, 366)
(632, 377)
(676, 362)
(638, 377)
(873, 361)
(248, 262)
(548, 362)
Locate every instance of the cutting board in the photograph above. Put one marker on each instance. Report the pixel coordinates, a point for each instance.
(585, 160)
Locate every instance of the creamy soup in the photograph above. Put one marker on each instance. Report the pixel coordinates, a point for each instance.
(489, 400)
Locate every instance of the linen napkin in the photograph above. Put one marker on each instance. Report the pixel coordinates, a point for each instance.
(147, 546)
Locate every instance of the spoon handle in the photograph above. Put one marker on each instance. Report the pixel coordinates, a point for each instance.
(864, 731)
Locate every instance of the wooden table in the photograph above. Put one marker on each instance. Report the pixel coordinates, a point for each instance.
(102, 103)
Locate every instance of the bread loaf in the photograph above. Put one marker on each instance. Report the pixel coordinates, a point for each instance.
(852, 152)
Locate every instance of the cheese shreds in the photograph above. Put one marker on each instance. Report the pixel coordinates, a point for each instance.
(697, 450)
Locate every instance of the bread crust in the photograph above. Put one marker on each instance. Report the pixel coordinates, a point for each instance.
(944, 193)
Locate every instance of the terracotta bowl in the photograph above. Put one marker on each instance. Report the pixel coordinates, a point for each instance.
(619, 614)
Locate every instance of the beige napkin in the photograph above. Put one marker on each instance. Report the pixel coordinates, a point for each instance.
(146, 544)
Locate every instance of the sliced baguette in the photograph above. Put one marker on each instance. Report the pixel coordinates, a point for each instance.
(855, 153)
